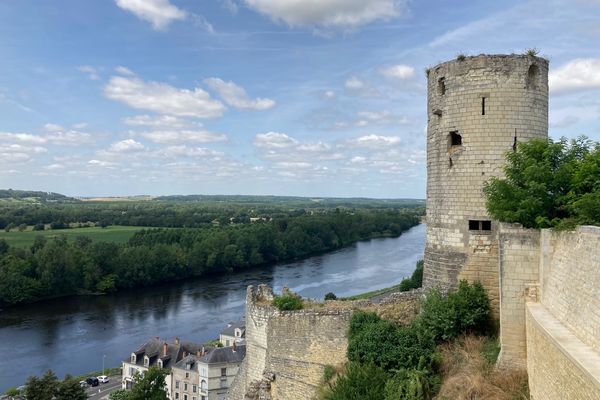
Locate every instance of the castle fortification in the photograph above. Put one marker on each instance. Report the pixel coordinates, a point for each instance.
(478, 109)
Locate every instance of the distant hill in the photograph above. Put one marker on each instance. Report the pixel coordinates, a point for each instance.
(30, 196)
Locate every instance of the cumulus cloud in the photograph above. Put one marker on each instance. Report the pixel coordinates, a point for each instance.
(126, 146)
(354, 83)
(160, 121)
(91, 72)
(186, 151)
(399, 71)
(55, 137)
(236, 96)
(344, 14)
(374, 141)
(53, 128)
(124, 71)
(163, 98)
(160, 13)
(578, 74)
(178, 136)
(101, 163)
(274, 140)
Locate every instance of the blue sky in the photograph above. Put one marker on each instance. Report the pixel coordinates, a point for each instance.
(285, 97)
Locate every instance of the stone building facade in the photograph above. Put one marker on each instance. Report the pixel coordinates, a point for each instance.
(478, 109)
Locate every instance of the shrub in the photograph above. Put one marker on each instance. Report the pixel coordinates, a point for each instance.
(412, 384)
(359, 382)
(464, 310)
(415, 281)
(39, 227)
(288, 302)
(330, 296)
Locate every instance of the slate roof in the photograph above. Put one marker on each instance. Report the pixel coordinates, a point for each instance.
(155, 350)
(220, 355)
(230, 330)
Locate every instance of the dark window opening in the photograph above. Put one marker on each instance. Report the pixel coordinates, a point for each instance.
(442, 86)
(450, 164)
(483, 106)
(532, 77)
(479, 225)
(455, 139)
(515, 142)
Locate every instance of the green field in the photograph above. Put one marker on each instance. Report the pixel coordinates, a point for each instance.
(116, 234)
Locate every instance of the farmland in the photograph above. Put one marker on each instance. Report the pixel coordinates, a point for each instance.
(115, 234)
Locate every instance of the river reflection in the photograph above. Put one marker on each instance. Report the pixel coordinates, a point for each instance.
(71, 335)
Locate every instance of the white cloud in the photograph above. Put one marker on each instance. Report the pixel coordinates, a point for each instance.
(17, 148)
(160, 121)
(55, 137)
(354, 84)
(160, 13)
(22, 137)
(345, 14)
(236, 96)
(54, 167)
(185, 151)
(90, 71)
(126, 146)
(329, 94)
(399, 71)
(374, 141)
(101, 163)
(230, 6)
(53, 128)
(178, 136)
(124, 71)
(274, 140)
(163, 98)
(578, 74)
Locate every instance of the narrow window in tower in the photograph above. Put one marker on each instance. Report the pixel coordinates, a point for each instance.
(473, 225)
(454, 139)
(533, 75)
(442, 86)
(483, 106)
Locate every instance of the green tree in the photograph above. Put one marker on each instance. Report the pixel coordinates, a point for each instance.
(359, 382)
(150, 386)
(3, 247)
(69, 389)
(120, 394)
(44, 388)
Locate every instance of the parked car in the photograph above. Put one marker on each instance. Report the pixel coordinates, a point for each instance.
(103, 379)
(92, 381)
(83, 384)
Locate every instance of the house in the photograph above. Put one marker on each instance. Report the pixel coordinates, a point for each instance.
(157, 352)
(206, 377)
(234, 333)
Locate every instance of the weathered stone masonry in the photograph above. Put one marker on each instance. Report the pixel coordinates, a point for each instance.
(477, 108)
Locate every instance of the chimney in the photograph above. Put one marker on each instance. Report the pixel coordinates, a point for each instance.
(165, 348)
(177, 341)
(234, 348)
(199, 353)
(203, 351)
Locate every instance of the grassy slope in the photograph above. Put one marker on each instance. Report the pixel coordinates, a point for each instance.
(117, 234)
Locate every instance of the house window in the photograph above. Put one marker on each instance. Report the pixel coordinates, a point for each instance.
(187, 374)
(227, 343)
(176, 384)
(203, 386)
(160, 364)
(185, 397)
(185, 387)
(479, 225)
(223, 371)
(133, 359)
(176, 395)
(203, 371)
(194, 388)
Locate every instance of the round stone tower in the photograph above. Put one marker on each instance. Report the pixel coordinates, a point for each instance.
(478, 109)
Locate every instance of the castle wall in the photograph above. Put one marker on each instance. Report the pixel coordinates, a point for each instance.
(489, 101)
(549, 315)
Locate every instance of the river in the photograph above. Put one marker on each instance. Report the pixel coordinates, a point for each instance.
(76, 334)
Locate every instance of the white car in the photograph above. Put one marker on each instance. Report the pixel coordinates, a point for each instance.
(103, 379)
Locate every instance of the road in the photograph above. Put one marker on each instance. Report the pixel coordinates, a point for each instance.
(102, 391)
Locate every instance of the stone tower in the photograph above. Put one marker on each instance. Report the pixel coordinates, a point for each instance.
(478, 109)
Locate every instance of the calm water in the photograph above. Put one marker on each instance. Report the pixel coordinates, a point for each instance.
(72, 335)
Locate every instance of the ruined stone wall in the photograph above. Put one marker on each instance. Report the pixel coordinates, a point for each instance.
(489, 101)
(289, 349)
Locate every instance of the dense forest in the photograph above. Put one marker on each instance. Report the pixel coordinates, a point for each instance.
(59, 267)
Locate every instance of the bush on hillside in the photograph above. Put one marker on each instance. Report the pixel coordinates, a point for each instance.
(412, 384)
(288, 302)
(465, 310)
(415, 281)
(359, 382)
(330, 296)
